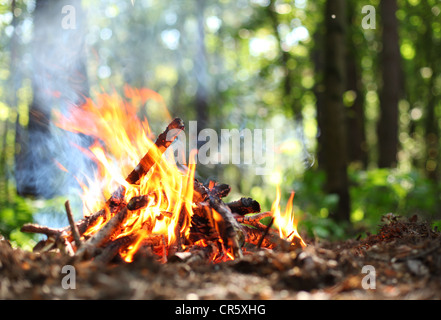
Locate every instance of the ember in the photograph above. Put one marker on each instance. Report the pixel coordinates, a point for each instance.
(159, 208)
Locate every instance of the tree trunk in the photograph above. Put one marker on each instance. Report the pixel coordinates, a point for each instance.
(355, 118)
(318, 57)
(431, 119)
(334, 128)
(59, 80)
(390, 94)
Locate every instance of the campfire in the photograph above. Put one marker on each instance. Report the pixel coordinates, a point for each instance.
(159, 209)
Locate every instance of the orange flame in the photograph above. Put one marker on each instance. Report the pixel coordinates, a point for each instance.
(286, 222)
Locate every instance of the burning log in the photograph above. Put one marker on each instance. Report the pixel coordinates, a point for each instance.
(103, 234)
(141, 202)
(113, 248)
(163, 141)
(219, 190)
(244, 206)
(200, 192)
(226, 225)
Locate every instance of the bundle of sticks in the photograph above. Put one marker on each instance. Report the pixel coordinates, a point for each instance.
(215, 227)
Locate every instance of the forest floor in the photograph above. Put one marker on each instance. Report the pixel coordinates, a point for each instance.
(405, 255)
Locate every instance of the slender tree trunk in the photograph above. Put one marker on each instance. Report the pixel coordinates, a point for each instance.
(334, 128)
(318, 57)
(355, 118)
(59, 80)
(431, 119)
(390, 94)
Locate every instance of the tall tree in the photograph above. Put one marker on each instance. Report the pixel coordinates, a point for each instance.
(390, 92)
(432, 134)
(318, 57)
(59, 80)
(333, 121)
(355, 117)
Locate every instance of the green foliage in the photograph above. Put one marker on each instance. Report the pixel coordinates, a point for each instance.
(436, 225)
(321, 228)
(13, 215)
(380, 191)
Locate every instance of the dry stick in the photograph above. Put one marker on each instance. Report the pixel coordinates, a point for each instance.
(254, 220)
(68, 247)
(73, 226)
(259, 244)
(164, 254)
(35, 228)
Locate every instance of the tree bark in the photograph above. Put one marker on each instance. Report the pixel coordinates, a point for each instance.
(334, 128)
(390, 93)
(318, 56)
(355, 117)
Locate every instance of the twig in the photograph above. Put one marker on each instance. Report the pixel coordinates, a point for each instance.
(35, 228)
(164, 248)
(73, 226)
(259, 244)
(254, 220)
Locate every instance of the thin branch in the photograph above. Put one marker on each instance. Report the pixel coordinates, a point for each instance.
(73, 226)
(259, 244)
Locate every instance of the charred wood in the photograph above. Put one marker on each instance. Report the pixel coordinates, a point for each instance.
(244, 206)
